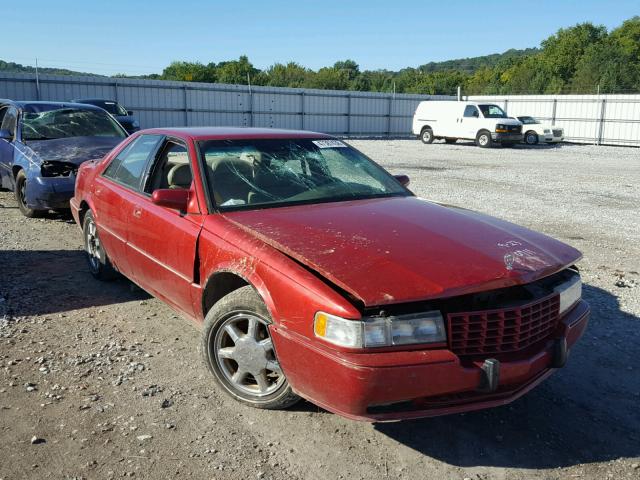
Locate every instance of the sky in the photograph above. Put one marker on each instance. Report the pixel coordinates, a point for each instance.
(142, 37)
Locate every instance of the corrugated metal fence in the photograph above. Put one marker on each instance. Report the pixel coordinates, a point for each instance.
(597, 119)
(164, 103)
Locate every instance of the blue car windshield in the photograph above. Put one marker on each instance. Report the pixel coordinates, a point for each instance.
(68, 122)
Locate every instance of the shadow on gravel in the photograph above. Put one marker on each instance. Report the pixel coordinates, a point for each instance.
(40, 282)
(587, 412)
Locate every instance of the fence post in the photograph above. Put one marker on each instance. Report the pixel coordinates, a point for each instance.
(186, 107)
(251, 121)
(348, 114)
(302, 108)
(115, 86)
(389, 116)
(506, 105)
(553, 111)
(601, 129)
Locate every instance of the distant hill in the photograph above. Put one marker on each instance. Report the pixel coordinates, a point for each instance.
(18, 68)
(471, 64)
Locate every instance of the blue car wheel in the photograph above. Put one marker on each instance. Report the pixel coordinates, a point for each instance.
(21, 197)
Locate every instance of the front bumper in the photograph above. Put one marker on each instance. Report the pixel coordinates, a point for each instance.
(507, 137)
(399, 385)
(44, 193)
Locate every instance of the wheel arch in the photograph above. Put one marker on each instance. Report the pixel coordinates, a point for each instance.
(226, 280)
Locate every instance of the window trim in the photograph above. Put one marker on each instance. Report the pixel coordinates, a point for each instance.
(152, 154)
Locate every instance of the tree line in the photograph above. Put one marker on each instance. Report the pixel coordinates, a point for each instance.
(579, 59)
(585, 58)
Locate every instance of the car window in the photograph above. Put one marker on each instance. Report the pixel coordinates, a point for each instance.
(129, 165)
(471, 111)
(9, 120)
(3, 110)
(171, 169)
(493, 111)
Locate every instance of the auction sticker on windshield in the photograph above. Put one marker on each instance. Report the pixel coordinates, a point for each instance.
(329, 144)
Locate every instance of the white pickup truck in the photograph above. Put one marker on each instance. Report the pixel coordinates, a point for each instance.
(485, 123)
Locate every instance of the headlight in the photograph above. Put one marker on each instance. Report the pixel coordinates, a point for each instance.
(337, 330)
(500, 128)
(546, 130)
(426, 327)
(570, 293)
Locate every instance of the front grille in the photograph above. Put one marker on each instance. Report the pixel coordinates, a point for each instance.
(557, 133)
(490, 332)
(514, 128)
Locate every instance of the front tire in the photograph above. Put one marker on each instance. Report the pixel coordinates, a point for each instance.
(21, 197)
(531, 138)
(483, 139)
(426, 135)
(99, 263)
(239, 352)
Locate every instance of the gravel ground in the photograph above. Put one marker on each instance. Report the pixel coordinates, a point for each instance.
(103, 381)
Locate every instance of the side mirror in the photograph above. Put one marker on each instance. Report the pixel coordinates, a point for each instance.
(177, 199)
(403, 179)
(6, 135)
(129, 112)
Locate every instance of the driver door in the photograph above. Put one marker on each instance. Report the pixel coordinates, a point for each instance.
(8, 121)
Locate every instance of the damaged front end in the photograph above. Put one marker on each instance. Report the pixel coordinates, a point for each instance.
(58, 169)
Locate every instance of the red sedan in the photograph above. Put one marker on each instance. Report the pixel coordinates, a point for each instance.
(317, 274)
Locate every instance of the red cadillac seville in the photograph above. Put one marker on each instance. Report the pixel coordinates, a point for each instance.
(317, 274)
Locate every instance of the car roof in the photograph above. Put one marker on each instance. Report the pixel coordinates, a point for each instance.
(43, 106)
(221, 133)
(82, 100)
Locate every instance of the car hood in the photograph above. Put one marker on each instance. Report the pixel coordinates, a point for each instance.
(73, 149)
(405, 249)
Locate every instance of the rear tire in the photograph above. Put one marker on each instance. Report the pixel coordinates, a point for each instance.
(238, 350)
(531, 138)
(426, 135)
(21, 194)
(483, 139)
(99, 263)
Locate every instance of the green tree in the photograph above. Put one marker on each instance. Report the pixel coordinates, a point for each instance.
(235, 71)
(289, 75)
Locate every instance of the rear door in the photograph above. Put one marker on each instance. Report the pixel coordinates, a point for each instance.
(116, 191)
(162, 242)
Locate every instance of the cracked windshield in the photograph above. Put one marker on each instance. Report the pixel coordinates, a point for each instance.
(245, 174)
(64, 123)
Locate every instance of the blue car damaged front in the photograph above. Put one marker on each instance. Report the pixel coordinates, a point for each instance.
(41, 156)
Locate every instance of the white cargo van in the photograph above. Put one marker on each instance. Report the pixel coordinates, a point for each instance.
(485, 123)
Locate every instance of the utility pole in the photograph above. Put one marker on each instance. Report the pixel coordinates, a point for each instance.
(37, 82)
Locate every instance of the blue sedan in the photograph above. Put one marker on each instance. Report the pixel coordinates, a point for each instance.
(43, 143)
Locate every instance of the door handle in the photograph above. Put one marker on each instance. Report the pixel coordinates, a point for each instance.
(137, 211)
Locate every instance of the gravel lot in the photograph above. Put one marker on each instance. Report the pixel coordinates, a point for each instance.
(102, 381)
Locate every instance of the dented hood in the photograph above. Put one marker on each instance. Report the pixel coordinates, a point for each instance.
(73, 149)
(394, 250)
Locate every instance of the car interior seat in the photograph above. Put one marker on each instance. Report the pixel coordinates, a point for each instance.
(180, 176)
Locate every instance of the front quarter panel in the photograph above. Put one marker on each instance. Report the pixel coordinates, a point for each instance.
(292, 294)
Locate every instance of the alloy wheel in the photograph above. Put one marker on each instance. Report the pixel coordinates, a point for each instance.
(245, 355)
